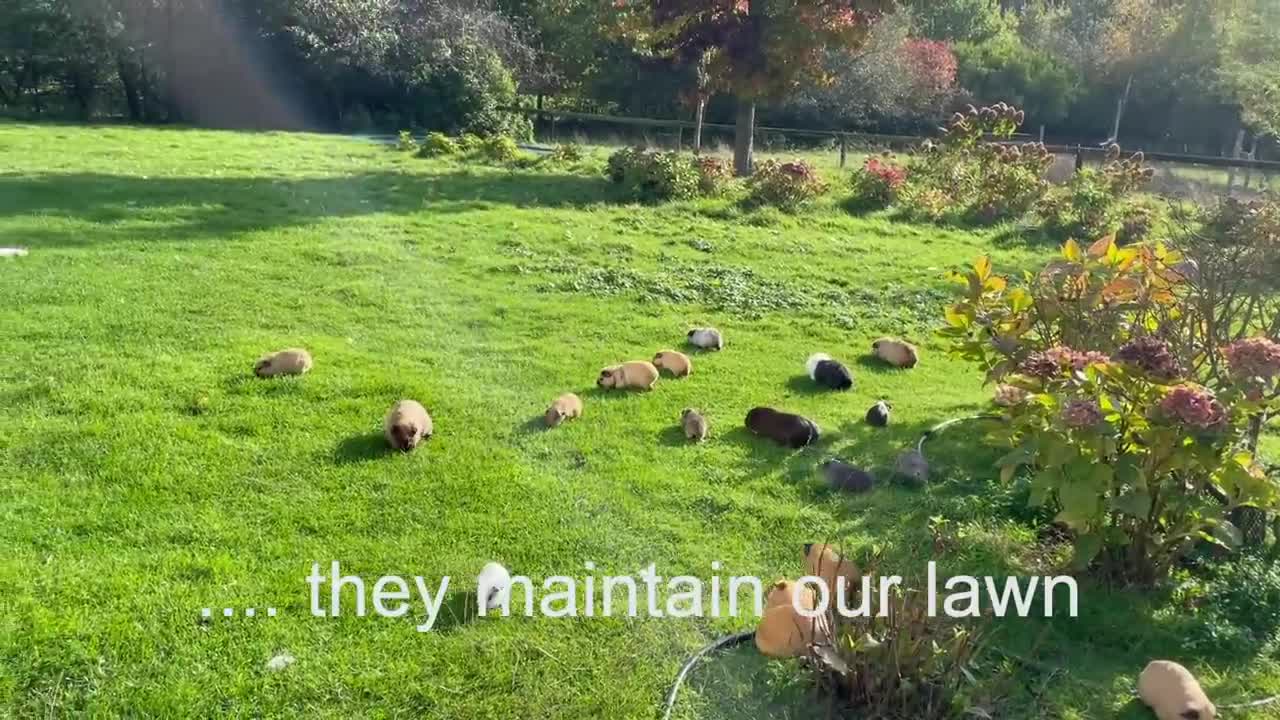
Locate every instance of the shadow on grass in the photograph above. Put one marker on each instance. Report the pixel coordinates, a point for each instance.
(456, 610)
(205, 208)
(673, 436)
(362, 448)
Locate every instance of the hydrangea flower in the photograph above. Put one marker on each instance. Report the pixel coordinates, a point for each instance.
(1080, 414)
(1152, 356)
(1253, 358)
(1193, 406)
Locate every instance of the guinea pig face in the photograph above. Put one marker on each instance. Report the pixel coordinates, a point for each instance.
(552, 417)
(606, 379)
(406, 436)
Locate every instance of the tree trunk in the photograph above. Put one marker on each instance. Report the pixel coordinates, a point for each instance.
(173, 110)
(697, 124)
(744, 137)
(127, 82)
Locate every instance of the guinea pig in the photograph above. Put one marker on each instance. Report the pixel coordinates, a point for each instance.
(897, 353)
(678, 364)
(878, 414)
(828, 373)
(695, 426)
(706, 338)
(567, 406)
(912, 467)
(847, 478)
(493, 587)
(1173, 693)
(822, 561)
(407, 425)
(783, 632)
(293, 361)
(786, 429)
(634, 374)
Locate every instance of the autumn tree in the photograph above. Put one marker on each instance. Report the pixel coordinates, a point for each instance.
(756, 49)
(1250, 72)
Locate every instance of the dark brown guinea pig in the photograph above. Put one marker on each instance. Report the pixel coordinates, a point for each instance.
(784, 428)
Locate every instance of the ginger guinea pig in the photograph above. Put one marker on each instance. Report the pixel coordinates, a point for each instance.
(635, 374)
(293, 361)
(822, 561)
(676, 363)
(1173, 692)
(407, 425)
(895, 352)
(783, 632)
(566, 407)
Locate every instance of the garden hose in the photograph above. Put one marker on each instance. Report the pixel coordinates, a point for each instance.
(928, 434)
(724, 642)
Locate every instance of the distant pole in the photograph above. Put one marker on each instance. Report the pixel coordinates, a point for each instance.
(1252, 155)
(1042, 134)
(843, 150)
(553, 128)
(679, 138)
(1235, 154)
(1079, 158)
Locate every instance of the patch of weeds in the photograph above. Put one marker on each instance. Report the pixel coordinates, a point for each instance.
(701, 245)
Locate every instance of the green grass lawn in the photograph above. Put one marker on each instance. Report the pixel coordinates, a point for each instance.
(145, 474)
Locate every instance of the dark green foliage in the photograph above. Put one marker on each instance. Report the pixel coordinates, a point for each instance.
(1235, 605)
(437, 143)
(1004, 69)
(465, 96)
(651, 176)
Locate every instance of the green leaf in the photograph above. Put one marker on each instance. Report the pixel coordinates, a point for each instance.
(1134, 504)
(1042, 486)
(959, 316)
(1087, 547)
(1071, 251)
(982, 268)
(1020, 300)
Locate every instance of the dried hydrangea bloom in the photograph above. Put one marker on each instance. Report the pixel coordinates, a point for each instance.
(1152, 356)
(1009, 395)
(1081, 414)
(1194, 406)
(1050, 363)
(1253, 358)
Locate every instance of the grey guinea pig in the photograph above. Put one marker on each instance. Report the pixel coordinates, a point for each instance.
(847, 478)
(695, 425)
(706, 338)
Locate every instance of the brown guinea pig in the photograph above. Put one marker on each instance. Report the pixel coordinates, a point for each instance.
(897, 353)
(695, 425)
(678, 364)
(1173, 693)
(634, 374)
(783, 632)
(784, 428)
(566, 407)
(293, 361)
(407, 425)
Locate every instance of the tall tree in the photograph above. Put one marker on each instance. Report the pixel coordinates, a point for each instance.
(1250, 72)
(757, 49)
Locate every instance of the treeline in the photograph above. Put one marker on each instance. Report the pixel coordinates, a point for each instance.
(1173, 74)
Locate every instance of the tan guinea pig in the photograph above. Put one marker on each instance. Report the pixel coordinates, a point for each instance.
(677, 363)
(1173, 693)
(567, 406)
(695, 425)
(293, 361)
(407, 425)
(783, 632)
(634, 374)
(822, 561)
(897, 353)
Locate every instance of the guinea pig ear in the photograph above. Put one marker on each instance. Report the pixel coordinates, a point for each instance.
(1190, 715)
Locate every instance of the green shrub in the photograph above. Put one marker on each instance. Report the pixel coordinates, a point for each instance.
(465, 96)
(499, 148)
(470, 143)
(651, 176)
(566, 154)
(1096, 201)
(437, 144)
(406, 143)
(786, 186)
(1235, 606)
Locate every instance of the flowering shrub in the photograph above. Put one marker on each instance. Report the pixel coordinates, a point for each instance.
(787, 186)
(877, 183)
(713, 174)
(975, 173)
(1138, 456)
(565, 154)
(499, 148)
(651, 176)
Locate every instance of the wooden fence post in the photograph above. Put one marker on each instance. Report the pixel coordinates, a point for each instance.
(679, 138)
(1079, 158)
(1235, 155)
(843, 150)
(1042, 134)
